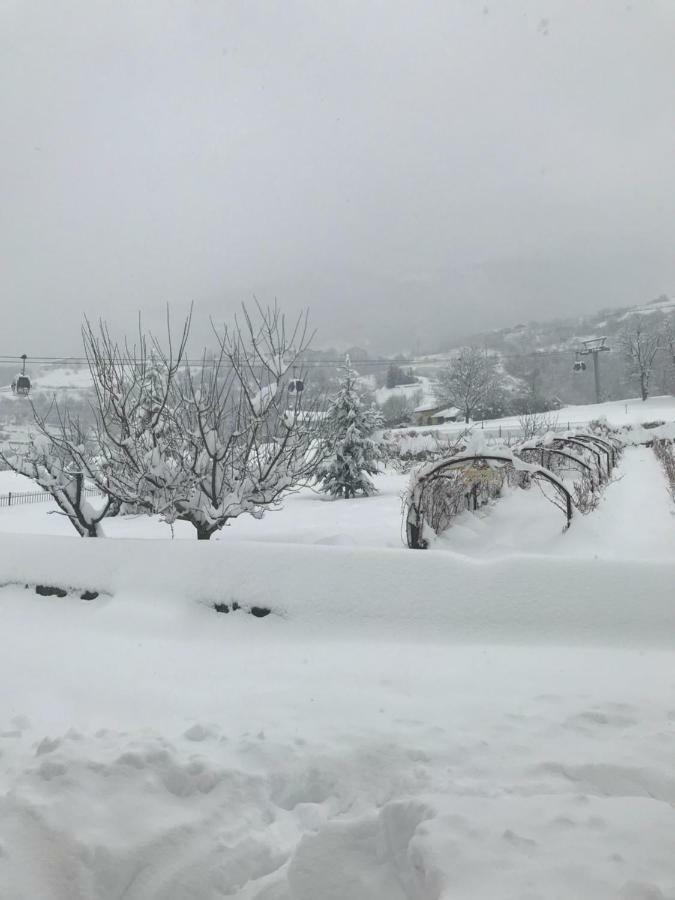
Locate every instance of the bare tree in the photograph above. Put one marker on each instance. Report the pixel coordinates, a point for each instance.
(125, 455)
(640, 345)
(51, 468)
(128, 454)
(246, 438)
(533, 424)
(471, 382)
(202, 443)
(669, 347)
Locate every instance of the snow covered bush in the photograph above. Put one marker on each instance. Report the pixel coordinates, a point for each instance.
(535, 423)
(665, 453)
(403, 450)
(352, 453)
(586, 494)
(467, 487)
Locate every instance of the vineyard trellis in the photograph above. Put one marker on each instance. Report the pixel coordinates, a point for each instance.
(430, 503)
(443, 489)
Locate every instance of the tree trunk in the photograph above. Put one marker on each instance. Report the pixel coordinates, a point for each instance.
(643, 386)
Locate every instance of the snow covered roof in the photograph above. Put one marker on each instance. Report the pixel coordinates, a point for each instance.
(449, 413)
(429, 406)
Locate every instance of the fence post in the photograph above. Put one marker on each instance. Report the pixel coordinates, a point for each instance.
(10, 499)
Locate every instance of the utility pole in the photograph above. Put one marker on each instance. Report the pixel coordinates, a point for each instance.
(594, 347)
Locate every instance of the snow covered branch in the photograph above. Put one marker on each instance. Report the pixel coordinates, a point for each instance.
(246, 440)
(46, 463)
(203, 442)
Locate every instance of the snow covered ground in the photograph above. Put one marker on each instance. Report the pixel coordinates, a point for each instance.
(617, 412)
(152, 753)
(420, 392)
(490, 719)
(523, 522)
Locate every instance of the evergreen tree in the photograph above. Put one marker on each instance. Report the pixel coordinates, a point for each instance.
(353, 454)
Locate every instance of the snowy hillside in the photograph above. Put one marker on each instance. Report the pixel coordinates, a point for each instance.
(617, 413)
(560, 333)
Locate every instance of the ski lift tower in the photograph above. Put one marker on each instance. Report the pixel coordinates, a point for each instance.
(594, 347)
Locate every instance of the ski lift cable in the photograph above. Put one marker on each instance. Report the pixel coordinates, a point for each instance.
(65, 361)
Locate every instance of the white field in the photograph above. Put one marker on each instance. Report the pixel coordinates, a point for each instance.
(617, 413)
(421, 392)
(488, 720)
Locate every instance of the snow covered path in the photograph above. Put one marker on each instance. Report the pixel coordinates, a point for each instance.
(636, 518)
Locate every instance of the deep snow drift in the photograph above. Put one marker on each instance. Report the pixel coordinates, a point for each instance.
(491, 719)
(149, 752)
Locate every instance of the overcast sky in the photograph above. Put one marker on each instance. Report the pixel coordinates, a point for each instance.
(409, 170)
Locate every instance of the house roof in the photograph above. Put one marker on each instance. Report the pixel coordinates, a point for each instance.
(429, 406)
(448, 412)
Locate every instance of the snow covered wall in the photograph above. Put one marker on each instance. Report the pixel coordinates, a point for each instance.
(389, 593)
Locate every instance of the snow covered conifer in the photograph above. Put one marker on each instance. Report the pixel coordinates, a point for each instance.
(353, 455)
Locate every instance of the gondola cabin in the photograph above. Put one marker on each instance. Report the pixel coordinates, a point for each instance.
(21, 383)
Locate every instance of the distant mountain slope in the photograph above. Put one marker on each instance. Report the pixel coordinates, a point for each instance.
(542, 354)
(567, 333)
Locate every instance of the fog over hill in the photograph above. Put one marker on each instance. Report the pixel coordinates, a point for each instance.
(411, 172)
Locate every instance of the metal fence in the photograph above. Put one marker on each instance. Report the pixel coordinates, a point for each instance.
(489, 430)
(19, 498)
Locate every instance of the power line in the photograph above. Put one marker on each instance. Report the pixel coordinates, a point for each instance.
(65, 361)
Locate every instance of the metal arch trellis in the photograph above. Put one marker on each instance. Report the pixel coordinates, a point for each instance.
(415, 518)
(591, 443)
(566, 440)
(543, 449)
(604, 445)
